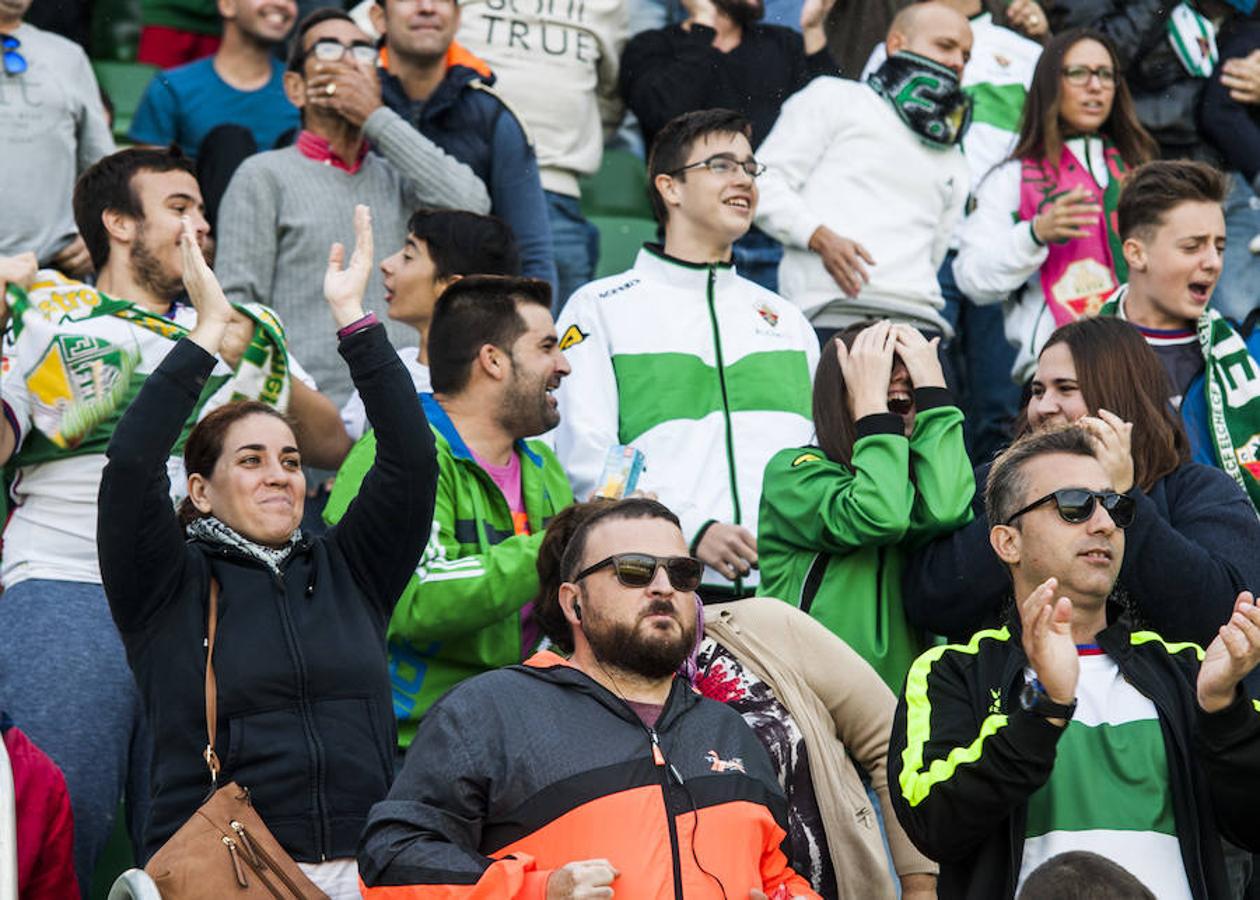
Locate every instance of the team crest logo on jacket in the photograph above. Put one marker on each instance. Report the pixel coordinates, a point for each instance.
(1249, 455)
(572, 337)
(717, 764)
(769, 315)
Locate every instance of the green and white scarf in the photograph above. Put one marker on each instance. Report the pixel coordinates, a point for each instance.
(82, 361)
(1193, 39)
(1232, 388)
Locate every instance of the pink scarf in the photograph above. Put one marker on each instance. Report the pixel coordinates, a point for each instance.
(1079, 273)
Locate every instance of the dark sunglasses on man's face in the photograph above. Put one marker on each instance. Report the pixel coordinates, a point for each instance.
(14, 62)
(1076, 505)
(638, 569)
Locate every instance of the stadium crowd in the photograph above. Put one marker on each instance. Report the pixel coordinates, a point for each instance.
(568, 449)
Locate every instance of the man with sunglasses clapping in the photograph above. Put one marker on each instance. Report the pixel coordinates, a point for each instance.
(605, 774)
(1070, 728)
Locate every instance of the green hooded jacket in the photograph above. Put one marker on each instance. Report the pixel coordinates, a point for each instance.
(832, 538)
(460, 614)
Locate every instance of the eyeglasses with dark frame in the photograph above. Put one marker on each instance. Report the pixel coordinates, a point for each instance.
(14, 62)
(1080, 75)
(638, 569)
(1076, 505)
(724, 165)
(331, 50)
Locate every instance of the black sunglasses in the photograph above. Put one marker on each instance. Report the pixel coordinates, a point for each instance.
(638, 569)
(14, 62)
(1076, 505)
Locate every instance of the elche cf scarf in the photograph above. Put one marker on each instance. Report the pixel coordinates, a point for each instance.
(81, 362)
(926, 95)
(1232, 387)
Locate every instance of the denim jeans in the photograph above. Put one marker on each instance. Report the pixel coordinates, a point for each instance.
(757, 257)
(64, 680)
(575, 243)
(981, 359)
(1238, 291)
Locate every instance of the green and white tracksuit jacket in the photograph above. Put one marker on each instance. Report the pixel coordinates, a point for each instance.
(705, 372)
(833, 537)
(460, 614)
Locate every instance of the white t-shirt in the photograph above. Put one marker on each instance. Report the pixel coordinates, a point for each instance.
(51, 533)
(353, 414)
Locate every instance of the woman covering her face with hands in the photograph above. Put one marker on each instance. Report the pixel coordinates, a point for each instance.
(1192, 546)
(889, 471)
(304, 717)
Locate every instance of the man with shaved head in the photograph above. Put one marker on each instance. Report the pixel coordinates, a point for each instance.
(865, 181)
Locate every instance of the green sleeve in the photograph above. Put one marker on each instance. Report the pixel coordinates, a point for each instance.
(452, 593)
(811, 502)
(944, 483)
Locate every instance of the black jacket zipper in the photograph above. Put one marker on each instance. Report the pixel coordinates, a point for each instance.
(659, 758)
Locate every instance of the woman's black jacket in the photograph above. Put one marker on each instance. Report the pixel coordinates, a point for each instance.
(305, 719)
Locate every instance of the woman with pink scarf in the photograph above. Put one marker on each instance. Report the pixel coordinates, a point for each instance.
(1042, 235)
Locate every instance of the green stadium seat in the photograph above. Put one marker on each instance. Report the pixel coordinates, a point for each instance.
(124, 83)
(619, 188)
(620, 238)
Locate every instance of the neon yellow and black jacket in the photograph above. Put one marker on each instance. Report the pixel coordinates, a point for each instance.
(964, 758)
(460, 614)
(831, 538)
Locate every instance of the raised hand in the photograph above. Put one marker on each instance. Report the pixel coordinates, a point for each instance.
(923, 362)
(582, 880)
(1048, 644)
(729, 549)
(356, 92)
(867, 369)
(1067, 217)
(17, 270)
(1112, 438)
(213, 310)
(1028, 17)
(842, 258)
(1233, 653)
(1241, 75)
(344, 288)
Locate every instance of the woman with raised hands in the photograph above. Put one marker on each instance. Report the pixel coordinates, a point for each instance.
(304, 716)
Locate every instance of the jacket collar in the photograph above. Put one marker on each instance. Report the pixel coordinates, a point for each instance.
(658, 265)
(462, 69)
(563, 673)
(446, 428)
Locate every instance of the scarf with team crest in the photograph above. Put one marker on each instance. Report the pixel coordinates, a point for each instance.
(81, 363)
(1230, 379)
(926, 96)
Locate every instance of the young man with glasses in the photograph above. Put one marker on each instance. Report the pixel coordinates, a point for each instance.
(603, 774)
(284, 208)
(705, 372)
(1069, 728)
(52, 128)
(494, 366)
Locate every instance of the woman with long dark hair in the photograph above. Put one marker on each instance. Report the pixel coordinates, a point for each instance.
(304, 715)
(1192, 546)
(889, 471)
(1042, 235)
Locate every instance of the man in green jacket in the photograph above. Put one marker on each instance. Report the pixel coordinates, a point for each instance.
(494, 361)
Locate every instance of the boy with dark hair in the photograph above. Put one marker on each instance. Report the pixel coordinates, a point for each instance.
(442, 247)
(494, 361)
(1069, 728)
(1081, 875)
(687, 360)
(1173, 228)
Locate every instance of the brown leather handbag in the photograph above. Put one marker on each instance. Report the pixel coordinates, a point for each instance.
(225, 850)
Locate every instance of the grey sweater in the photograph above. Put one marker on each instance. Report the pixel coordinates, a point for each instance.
(283, 210)
(52, 127)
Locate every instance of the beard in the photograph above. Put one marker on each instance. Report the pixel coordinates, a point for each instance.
(149, 272)
(526, 410)
(742, 12)
(623, 645)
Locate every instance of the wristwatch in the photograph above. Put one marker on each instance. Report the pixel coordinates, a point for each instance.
(1033, 699)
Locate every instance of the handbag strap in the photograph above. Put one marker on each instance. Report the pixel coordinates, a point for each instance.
(212, 690)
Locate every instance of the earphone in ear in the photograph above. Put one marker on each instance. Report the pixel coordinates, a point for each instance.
(577, 610)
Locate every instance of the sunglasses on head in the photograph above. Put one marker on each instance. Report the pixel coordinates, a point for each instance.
(1076, 505)
(14, 62)
(638, 569)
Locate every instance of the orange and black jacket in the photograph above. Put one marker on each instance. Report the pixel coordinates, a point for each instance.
(519, 771)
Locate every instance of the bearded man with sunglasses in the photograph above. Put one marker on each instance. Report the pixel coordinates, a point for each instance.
(597, 776)
(1070, 728)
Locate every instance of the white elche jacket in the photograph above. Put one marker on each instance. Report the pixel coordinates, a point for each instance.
(705, 372)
